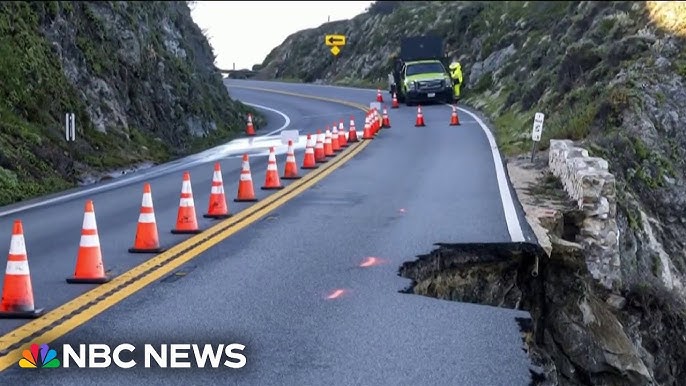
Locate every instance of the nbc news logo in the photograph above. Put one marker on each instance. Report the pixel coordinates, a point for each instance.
(164, 356)
(42, 357)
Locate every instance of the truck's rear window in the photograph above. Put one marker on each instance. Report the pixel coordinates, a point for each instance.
(424, 68)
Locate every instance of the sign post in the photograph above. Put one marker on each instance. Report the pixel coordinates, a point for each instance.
(536, 133)
(70, 127)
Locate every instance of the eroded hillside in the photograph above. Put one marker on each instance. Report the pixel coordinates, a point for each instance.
(139, 77)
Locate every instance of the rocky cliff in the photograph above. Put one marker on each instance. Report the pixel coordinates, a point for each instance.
(139, 77)
(611, 77)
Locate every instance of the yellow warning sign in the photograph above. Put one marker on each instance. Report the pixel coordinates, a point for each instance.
(335, 50)
(334, 40)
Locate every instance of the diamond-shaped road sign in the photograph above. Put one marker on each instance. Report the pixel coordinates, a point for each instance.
(335, 50)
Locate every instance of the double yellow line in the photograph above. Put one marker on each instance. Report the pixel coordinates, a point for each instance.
(78, 311)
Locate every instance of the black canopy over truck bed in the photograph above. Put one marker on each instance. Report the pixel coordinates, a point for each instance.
(421, 48)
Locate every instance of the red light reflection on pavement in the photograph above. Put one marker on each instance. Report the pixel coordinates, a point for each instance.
(372, 261)
(336, 294)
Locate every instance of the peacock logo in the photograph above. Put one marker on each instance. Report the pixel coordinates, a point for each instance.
(39, 357)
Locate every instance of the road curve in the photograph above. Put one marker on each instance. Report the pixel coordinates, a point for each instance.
(267, 286)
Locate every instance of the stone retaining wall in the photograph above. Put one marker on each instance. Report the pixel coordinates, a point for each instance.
(588, 181)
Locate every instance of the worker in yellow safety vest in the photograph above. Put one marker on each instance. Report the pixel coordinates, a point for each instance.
(456, 75)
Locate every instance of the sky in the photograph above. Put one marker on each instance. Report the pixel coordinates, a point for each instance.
(244, 32)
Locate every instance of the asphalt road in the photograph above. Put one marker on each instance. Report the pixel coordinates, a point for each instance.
(266, 287)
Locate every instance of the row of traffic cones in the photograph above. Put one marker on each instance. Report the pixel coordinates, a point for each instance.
(374, 121)
(454, 118)
(17, 292)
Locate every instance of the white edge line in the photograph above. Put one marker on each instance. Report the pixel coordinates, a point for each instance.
(284, 116)
(511, 217)
(177, 165)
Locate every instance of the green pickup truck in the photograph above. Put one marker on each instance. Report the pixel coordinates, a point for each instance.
(419, 74)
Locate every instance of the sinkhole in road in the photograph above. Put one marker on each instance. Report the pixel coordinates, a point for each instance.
(495, 274)
(575, 333)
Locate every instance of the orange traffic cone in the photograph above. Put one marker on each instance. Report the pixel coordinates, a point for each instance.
(379, 97)
(386, 122)
(17, 291)
(217, 207)
(335, 142)
(372, 126)
(290, 171)
(352, 133)
(246, 191)
(420, 117)
(342, 140)
(309, 162)
(89, 266)
(379, 120)
(454, 119)
(186, 221)
(250, 129)
(147, 239)
(367, 134)
(319, 153)
(369, 121)
(394, 104)
(328, 148)
(272, 181)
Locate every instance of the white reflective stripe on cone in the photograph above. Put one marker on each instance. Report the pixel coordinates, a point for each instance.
(17, 245)
(147, 200)
(186, 202)
(217, 190)
(146, 218)
(89, 221)
(271, 166)
(217, 176)
(19, 268)
(246, 177)
(89, 241)
(246, 165)
(186, 187)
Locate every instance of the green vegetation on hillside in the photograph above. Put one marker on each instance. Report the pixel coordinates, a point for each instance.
(564, 53)
(113, 64)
